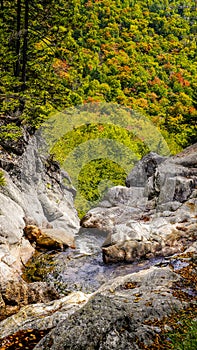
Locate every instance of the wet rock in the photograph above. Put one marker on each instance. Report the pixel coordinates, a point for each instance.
(57, 239)
(15, 293)
(136, 240)
(124, 310)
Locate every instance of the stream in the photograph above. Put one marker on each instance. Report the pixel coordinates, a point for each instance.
(82, 268)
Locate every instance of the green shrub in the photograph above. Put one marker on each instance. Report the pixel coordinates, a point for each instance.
(186, 337)
(97, 156)
(10, 132)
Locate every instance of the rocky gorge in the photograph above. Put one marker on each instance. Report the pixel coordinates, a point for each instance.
(116, 281)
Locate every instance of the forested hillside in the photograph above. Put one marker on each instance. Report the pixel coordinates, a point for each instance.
(138, 53)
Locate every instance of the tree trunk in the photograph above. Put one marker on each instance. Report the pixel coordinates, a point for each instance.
(25, 42)
(17, 67)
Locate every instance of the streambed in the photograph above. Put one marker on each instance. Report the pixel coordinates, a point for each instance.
(83, 269)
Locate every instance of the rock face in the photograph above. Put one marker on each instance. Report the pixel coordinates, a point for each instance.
(156, 215)
(112, 321)
(34, 195)
(126, 310)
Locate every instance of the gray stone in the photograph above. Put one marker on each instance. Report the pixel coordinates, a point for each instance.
(144, 170)
(116, 316)
(43, 315)
(141, 221)
(120, 195)
(33, 193)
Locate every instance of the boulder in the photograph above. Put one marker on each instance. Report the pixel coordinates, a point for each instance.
(144, 170)
(49, 238)
(15, 292)
(43, 315)
(156, 215)
(124, 311)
